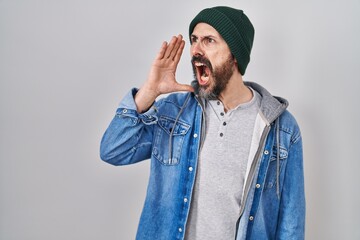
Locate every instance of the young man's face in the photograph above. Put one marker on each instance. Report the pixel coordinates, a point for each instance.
(212, 61)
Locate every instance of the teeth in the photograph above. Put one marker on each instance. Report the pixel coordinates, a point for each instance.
(199, 64)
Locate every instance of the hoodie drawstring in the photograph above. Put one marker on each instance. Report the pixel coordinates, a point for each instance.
(173, 128)
(277, 158)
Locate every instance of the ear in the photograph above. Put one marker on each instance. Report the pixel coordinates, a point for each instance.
(236, 67)
(235, 61)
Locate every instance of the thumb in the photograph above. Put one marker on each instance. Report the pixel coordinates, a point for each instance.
(184, 87)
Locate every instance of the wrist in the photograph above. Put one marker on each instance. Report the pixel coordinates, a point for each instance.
(144, 99)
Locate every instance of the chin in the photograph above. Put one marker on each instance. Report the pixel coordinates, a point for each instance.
(207, 93)
(204, 91)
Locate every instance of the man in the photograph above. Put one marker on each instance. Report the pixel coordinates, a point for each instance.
(226, 156)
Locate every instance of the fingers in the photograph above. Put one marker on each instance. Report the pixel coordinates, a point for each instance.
(170, 47)
(162, 50)
(179, 52)
(173, 49)
(178, 41)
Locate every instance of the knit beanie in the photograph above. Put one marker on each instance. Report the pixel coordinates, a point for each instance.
(234, 27)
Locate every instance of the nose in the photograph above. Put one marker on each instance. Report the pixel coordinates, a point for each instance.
(196, 49)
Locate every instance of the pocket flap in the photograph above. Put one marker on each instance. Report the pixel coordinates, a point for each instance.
(167, 124)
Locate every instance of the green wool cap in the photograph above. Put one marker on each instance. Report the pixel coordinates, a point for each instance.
(234, 27)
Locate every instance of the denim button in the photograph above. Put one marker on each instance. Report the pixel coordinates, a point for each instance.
(266, 152)
(190, 169)
(251, 218)
(180, 229)
(125, 111)
(195, 135)
(257, 185)
(185, 199)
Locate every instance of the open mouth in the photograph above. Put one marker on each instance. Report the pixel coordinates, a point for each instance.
(202, 72)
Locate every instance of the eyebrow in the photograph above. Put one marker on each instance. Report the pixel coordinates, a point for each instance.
(204, 37)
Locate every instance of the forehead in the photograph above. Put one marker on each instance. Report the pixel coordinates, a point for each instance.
(204, 29)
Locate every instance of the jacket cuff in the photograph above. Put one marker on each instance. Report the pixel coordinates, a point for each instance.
(127, 107)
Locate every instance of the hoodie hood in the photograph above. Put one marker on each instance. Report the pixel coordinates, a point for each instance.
(271, 106)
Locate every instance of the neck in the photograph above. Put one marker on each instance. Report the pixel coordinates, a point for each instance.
(235, 93)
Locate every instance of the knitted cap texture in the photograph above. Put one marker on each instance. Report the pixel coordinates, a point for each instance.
(234, 27)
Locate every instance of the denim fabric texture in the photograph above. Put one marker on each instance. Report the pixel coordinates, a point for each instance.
(267, 213)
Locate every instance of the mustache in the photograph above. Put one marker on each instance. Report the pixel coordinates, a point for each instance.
(202, 59)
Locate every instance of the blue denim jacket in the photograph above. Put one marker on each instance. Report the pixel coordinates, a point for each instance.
(170, 133)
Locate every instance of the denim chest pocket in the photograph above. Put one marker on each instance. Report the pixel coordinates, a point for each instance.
(160, 151)
(272, 171)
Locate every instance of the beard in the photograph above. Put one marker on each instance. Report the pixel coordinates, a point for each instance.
(220, 77)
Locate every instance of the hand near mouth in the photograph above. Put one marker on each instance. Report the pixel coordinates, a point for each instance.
(161, 78)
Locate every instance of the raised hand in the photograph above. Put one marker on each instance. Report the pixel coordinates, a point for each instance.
(161, 78)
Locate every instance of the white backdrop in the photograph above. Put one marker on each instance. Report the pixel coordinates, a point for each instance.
(65, 65)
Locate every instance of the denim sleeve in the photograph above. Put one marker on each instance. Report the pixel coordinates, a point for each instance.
(291, 224)
(128, 138)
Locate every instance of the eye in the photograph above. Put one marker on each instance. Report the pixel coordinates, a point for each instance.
(193, 39)
(209, 40)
